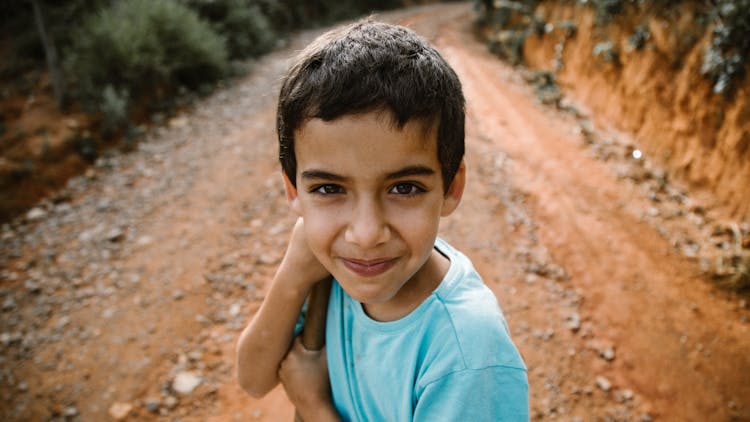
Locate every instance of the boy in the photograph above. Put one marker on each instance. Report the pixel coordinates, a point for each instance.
(371, 132)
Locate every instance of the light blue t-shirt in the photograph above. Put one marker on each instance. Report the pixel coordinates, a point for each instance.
(451, 359)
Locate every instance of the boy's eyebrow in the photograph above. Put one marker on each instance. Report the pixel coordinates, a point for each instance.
(404, 172)
(324, 175)
(411, 171)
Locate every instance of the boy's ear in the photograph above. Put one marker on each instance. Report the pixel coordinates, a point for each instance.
(291, 194)
(455, 191)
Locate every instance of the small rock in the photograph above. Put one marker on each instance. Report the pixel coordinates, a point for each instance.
(36, 214)
(574, 322)
(63, 322)
(178, 122)
(32, 287)
(120, 411)
(268, 259)
(603, 383)
(235, 309)
(624, 395)
(70, 411)
(152, 404)
(144, 240)
(104, 204)
(10, 338)
(185, 382)
(115, 235)
(9, 304)
(543, 335)
(608, 354)
(171, 402)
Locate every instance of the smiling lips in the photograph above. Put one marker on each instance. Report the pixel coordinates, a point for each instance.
(369, 268)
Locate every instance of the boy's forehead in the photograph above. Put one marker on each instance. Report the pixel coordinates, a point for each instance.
(371, 123)
(367, 141)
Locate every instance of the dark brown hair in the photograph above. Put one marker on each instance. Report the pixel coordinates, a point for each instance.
(373, 66)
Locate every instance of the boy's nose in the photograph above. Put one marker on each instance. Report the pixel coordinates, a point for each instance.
(367, 227)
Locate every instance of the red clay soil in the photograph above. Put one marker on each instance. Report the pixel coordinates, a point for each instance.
(37, 154)
(657, 94)
(114, 300)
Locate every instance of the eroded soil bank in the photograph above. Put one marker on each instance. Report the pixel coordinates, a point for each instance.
(655, 92)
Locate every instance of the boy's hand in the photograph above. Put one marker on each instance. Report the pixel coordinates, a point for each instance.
(299, 260)
(304, 374)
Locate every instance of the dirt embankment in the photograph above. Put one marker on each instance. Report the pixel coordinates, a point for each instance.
(655, 92)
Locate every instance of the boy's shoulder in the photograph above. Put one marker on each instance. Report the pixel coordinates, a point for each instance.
(473, 320)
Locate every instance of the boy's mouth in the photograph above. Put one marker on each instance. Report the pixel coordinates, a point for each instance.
(370, 267)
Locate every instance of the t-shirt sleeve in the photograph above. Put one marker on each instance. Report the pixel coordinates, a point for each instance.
(300, 320)
(498, 393)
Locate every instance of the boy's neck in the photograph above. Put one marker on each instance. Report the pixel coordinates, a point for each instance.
(414, 292)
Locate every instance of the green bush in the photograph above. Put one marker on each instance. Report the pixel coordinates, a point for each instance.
(147, 48)
(727, 55)
(114, 109)
(243, 23)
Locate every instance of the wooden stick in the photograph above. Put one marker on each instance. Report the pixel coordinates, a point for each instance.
(314, 331)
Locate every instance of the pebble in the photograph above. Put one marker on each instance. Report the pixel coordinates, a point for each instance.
(186, 382)
(115, 235)
(268, 259)
(119, 411)
(624, 395)
(152, 404)
(36, 213)
(603, 383)
(9, 304)
(608, 354)
(171, 402)
(574, 322)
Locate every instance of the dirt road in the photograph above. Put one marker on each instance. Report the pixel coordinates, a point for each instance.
(122, 296)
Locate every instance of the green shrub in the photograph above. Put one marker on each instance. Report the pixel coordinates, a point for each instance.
(727, 54)
(607, 10)
(607, 51)
(243, 23)
(147, 48)
(114, 109)
(639, 37)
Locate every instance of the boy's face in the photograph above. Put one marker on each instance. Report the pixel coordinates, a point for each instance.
(371, 197)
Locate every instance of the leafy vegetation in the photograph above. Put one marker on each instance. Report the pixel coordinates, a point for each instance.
(127, 58)
(725, 58)
(145, 49)
(727, 55)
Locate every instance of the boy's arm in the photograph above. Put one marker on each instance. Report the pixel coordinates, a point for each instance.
(265, 341)
(304, 374)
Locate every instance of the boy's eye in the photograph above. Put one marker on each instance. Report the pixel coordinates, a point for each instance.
(327, 189)
(406, 189)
